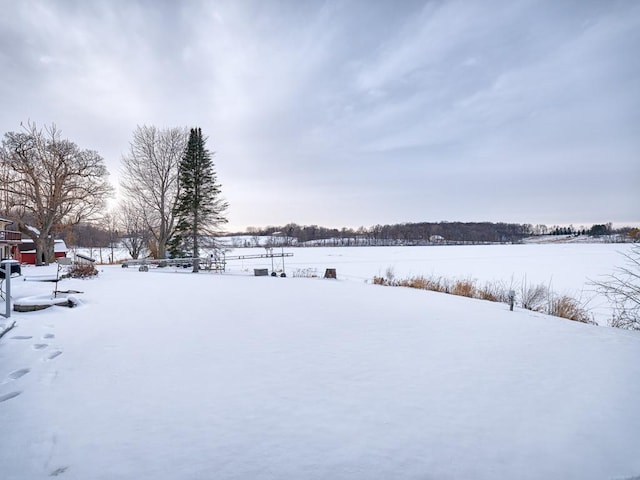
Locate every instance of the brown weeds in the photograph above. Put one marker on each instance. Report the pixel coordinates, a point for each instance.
(538, 298)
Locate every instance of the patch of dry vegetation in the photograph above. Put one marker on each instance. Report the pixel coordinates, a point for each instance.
(82, 270)
(538, 298)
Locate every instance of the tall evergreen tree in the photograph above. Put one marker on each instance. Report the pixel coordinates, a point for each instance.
(200, 210)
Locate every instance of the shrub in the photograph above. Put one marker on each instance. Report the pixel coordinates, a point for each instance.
(464, 288)
(82, 270)
(492, 292)
(534, 297)
(390, 274)
(379, 281)
(538, 298)
(568, 307)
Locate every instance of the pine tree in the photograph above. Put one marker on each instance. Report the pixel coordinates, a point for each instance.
(200, 211)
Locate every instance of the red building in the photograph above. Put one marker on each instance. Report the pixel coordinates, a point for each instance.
(25, 252)
(13, 246)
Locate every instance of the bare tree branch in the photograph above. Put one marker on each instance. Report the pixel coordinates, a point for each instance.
(622, 289)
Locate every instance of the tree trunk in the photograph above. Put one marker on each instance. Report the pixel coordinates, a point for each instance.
(163, 238)
(42, 246)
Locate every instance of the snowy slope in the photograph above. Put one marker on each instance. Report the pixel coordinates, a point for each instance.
(169, 375)
(565, 269)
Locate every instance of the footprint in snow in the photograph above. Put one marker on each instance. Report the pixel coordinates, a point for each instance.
(17, 374)
(8, 396)
(21, 337)
(58, 471)
(53, 355)
(48, 335)
(40, 346)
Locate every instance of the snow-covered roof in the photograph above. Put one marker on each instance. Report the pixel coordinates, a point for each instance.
(58, 246)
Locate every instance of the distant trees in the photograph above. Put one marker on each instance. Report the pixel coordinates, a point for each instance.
(49, 182)
(134, 231)
(598, 230)
(423, 233)
(149, 180)
(403, 233)
(199, 210)
(87, 235)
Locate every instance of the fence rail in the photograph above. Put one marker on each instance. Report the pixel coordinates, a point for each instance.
(208, 263)
(7, 236)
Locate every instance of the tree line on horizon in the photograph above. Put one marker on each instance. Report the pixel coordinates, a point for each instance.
(89, 235)
(425, 233)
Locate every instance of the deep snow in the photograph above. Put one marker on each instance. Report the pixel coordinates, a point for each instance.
(167, 374)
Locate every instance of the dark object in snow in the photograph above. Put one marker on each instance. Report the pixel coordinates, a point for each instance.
(15, 267)
(7, 329)
(330, 273)
(143, 268)
(261, 272)
(85, 258)
(34, 306)
(58, 471)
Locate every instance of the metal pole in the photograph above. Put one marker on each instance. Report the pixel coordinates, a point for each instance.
(7, 278)
(283, 259)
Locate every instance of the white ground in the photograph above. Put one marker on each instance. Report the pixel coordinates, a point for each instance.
(167, 375)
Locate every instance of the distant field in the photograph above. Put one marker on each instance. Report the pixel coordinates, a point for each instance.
(566, 268)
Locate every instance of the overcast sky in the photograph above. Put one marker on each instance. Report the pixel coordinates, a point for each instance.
(349, 113)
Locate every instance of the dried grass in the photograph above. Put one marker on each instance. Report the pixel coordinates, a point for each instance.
(538, 298)
(568, 307)
(465, 288)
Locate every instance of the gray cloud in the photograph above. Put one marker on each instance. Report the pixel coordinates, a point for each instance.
(349, 113)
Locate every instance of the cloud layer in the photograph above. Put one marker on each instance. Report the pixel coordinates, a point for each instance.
(353, 113)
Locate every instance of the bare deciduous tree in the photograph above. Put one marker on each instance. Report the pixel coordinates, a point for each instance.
(149, 178)
(622, 289)
(50, 182)
(133, 229)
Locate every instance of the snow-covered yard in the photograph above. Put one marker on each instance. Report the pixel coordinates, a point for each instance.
(166, 374)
